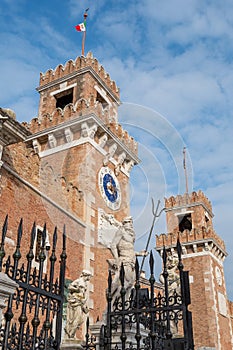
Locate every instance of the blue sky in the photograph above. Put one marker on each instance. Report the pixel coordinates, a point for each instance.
(173, 61)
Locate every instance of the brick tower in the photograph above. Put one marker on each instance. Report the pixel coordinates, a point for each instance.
(83, 149)
(72, 167)
(190, 217)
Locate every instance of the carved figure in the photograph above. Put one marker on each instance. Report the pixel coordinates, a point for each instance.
(121, 159)
(173, 275)
(110, 154)
(122, 248)
(77, 303)
(173, 285)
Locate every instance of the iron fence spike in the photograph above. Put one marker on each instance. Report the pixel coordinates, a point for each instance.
(4, 229)
(164, 256)
(55, 238)
(179, 248)
(44, 235)
(151, 263)
(122, 275)
(64, 238)
(20, 232)
(137, 270)
(33, 235)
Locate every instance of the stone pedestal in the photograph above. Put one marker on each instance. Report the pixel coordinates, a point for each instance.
(7, 288)
(116, 335)
(71, 344)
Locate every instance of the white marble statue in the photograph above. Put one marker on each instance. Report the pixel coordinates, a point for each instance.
(173, 285)
(77, 303)
(173, 275)
(122, 248)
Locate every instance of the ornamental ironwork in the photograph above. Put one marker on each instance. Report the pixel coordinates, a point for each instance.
(148, 320)
(30, 313)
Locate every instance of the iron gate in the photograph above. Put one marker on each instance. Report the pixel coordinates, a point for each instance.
(146, 321)
(38, 299)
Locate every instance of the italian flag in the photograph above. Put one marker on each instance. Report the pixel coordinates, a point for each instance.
(81, 27)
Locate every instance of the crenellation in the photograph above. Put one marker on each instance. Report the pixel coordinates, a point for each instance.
(101, 71)
(67, 112)
(95, 64)
(57, 115)
(78, 62)
(59, 70)
(71, 66)
(186, 199)
(195, 235)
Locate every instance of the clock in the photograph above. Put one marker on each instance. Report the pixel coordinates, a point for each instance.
(109, 188)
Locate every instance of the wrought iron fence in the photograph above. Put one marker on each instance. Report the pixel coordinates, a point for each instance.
(147, 320)
(38, 301)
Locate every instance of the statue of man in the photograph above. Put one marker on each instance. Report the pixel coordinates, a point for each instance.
(173, 275)
(77, 303)
(122, 248)
(173, 286)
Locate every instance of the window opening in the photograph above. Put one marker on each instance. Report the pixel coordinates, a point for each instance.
(100, 99)
(64, 98)
(185, 223)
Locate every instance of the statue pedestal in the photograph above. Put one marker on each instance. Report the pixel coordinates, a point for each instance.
(71, 344)
(116, 335)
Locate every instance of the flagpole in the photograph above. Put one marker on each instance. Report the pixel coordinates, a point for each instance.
(84, 33)
(185, 170)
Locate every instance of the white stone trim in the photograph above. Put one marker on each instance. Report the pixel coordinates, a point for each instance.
(190, 205)
(7, 288)
(62, 89)
(76, 74)
(102, 92)
(36, 146)
(203, 253)
(52, 141)
(76, 122)
(79, 142)
(184, 212)
(68, 135)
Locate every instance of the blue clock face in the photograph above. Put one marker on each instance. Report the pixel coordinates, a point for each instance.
(110, 187)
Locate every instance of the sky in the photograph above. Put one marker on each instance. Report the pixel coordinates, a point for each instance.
(173, 62)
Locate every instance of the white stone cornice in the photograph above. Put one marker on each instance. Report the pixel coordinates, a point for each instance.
(102, 92)
(88, 126)
(190, 205)
(63, 88)
(36, 146)
(209, 246)
(103, 140)
(110, 154)
(68, 135)
(88, 131)
(52, 140)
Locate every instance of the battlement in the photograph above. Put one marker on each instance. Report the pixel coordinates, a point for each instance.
(60, 117)
(197, 236)
(52, 75)
(186, 199)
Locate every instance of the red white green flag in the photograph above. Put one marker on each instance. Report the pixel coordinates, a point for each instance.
(81, 27)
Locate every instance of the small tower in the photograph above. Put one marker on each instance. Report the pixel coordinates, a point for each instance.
(85, 159)
(189, 217)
